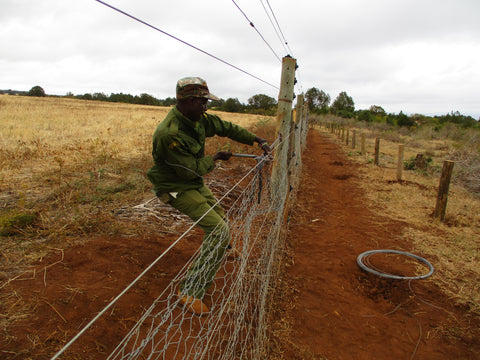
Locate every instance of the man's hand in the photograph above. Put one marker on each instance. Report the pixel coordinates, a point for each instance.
(263, 145)
(222, 155)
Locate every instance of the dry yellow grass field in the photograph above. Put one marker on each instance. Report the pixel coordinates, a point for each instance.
(66, 163)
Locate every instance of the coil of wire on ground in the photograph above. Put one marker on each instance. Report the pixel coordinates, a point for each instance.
(363, 257)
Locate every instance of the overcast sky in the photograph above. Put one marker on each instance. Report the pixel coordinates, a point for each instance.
(418, 56)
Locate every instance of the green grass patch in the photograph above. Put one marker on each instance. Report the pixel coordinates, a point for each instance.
(13, 222)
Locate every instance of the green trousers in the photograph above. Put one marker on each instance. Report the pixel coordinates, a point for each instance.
(195, 203)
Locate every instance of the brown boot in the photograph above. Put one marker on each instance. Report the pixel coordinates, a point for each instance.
(195, 306)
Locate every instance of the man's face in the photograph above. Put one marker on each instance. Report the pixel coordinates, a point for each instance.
(196, 108)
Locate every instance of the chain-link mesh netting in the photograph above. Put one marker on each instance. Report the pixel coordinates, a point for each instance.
(235, 327)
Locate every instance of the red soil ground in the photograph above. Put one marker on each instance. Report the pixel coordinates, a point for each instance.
(333, 310)
(327, 307)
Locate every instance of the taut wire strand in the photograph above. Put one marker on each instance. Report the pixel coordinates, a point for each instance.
(258, 32)
(186, 43)
(279, 28)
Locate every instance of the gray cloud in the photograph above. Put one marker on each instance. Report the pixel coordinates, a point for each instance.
(415, 56)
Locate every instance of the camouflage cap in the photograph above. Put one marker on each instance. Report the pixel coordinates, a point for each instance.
(193, 87)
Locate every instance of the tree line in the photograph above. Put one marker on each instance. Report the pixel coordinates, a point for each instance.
(343, 106)
(318, 101)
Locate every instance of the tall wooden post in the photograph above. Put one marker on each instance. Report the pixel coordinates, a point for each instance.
(296, 161)
(298, 128)
(305, 122)
(363, 145)
(285, 97)
(401, 148)
(354, 138)
(441, 206)
(377, 151)
(284, 119)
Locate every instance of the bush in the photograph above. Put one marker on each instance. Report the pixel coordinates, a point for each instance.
(413, 163)
(365, 115)
(404, 120)
(36, 91)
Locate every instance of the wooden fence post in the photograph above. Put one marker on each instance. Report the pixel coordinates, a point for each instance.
(401, 149)
(303, 140)
(354, 135)
(284, 118)
(363, 145)
(300, 124)
(441, 206)
(348, 135)
(377, 151)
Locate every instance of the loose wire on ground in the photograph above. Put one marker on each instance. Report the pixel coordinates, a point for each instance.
(362, 260)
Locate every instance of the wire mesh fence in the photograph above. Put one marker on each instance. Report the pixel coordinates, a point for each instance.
(236, 326)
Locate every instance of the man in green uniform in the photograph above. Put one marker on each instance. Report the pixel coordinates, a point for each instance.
(180, 162)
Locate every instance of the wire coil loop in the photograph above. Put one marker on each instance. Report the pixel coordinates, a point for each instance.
(378, 272)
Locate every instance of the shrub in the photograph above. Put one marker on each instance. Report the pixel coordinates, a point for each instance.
(36, 91)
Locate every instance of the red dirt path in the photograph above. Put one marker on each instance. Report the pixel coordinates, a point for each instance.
(332, 309)
(329, 308)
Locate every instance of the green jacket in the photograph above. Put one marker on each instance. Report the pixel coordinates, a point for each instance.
(179, 150)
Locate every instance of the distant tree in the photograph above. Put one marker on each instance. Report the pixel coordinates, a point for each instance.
(323, 101)
(121, 97)
(146, 99)
(404, 120)
(311, 97)
(365, 115)
(261, 103)
(317, 100)
(343, 106)
(169, 101)
(69, 95)
(377, 110)
(391, 119)
(36, 91)
(422, 119)
(233, 105)
(457, 118)
(99, 96)
(217, 104)
(86, 96)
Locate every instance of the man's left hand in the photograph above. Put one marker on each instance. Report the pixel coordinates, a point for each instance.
(263, 145)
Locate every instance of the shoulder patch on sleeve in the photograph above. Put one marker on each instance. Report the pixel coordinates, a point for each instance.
(173, 144)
